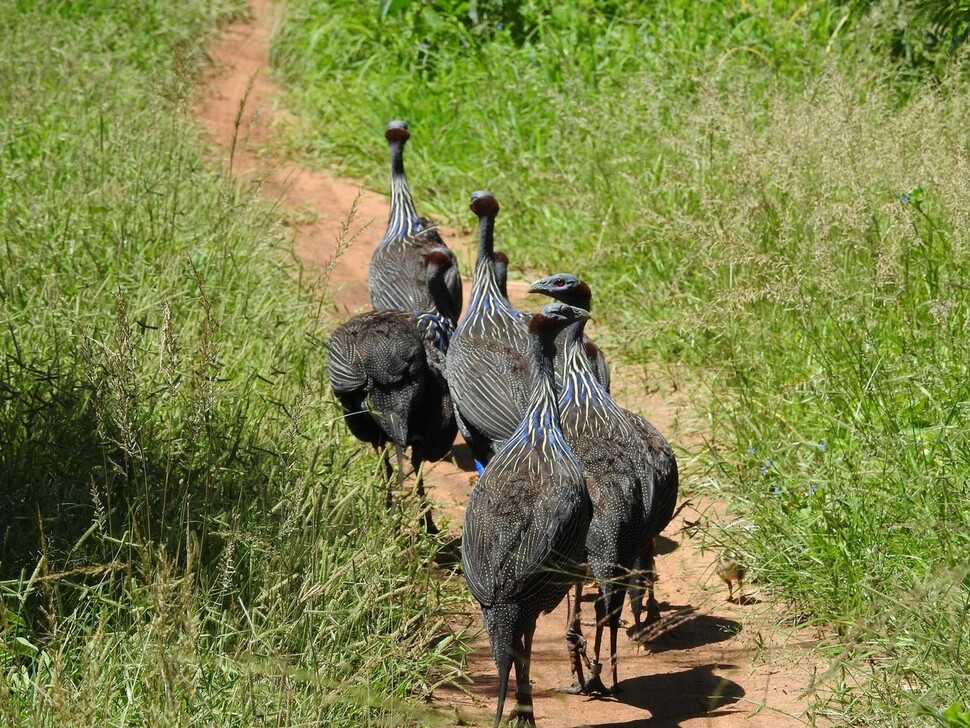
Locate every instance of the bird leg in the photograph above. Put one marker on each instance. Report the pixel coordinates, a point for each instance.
(429, 525)
(653, 607)
(614, 629)
(635, 589)
(524, 713)
(576, 644)
(385, 463)
(595, 684)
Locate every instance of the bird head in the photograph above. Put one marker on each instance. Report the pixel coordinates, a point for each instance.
(554, 317)
(564, 287)
(397, 131)
(484, 204)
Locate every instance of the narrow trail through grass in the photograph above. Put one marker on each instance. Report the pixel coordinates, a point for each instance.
(711, 662)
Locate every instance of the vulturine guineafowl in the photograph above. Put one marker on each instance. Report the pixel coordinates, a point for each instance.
(386, 370)
(570, 289)
(397, 278)
(731, 570)
(620, 478)
(526, 521)
(567, 288)
(489, 368)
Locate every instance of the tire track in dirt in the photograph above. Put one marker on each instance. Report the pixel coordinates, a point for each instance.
(702, 669)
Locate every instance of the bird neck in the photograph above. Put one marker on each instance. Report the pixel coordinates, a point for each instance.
(543, 410)
(438, 287)
(575, 354)
(404, 217)
(435, 329)
(579, 380)
(486, 291)
(486, 243)
(502, 281)
(577, 299)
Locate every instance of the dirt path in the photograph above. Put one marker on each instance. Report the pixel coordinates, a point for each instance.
(702, 668)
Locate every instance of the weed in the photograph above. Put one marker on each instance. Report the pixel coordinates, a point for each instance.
(767, 197)
(189, 537)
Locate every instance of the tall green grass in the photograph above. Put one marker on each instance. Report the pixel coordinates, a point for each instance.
(188, 536)
(768, 196)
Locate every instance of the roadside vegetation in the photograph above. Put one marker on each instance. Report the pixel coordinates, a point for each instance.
(770, 197)
(186, 535)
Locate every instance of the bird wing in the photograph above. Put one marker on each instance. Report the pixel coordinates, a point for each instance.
(525, 526)
(666, 479)
(491, 391)
(343, 363)
(397, 279)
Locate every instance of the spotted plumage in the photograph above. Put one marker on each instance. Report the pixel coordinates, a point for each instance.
(386, 369)
(664, 502)
(621, 479)
(489, 368)
(527, 520)
(397, 278)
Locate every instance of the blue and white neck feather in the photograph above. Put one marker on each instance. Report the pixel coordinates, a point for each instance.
(580, 387)
(435, 328)
(403, 219)
(541, 424)
(487, 299)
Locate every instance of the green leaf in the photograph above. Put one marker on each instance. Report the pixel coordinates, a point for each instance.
(22, 646)
(394, 7)
(957, 716)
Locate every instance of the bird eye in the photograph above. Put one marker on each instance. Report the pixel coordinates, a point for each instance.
(560, 282)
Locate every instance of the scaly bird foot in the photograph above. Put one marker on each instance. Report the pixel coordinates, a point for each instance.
(523, 713)
(595, 686)
(575, 689)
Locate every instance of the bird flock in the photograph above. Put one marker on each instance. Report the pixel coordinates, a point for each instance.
(569, 480)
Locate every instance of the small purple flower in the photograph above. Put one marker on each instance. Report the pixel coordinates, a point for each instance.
(904, 199)
(751, 450)
(500, 25)
(764, 468)
(776, 490)
(814, 488)
(822, 444)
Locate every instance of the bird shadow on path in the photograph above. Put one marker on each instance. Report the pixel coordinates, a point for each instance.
(684, 628)
(665, 545)
(463, 457)
(674, 697)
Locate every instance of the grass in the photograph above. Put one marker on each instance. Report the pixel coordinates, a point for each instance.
(189, 537)
(769, 197)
